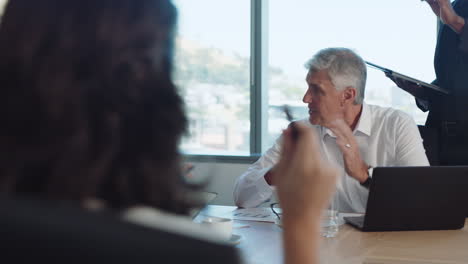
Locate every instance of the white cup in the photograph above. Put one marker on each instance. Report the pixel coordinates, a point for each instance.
(222, 226)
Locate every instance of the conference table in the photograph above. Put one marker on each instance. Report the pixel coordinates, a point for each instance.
(261, 243)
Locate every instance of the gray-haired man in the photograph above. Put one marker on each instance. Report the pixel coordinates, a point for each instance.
(354, 136)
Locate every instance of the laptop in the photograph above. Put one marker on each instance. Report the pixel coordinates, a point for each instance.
(391, 73)
(415, 198)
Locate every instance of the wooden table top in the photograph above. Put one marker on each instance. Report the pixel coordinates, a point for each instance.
(261, 243)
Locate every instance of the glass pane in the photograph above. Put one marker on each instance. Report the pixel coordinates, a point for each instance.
(2, 5)
(397, 34)
(213, 71)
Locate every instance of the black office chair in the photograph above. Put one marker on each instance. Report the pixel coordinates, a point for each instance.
(44, 232)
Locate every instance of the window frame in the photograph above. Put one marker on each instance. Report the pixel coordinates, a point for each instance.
(258, 89)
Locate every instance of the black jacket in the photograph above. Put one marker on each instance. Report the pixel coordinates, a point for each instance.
(451, 67)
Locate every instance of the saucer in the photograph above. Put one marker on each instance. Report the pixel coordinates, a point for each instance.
(235, 239)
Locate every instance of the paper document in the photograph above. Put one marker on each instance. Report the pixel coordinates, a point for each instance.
(261, 214)
(264, 214)
(391, 73)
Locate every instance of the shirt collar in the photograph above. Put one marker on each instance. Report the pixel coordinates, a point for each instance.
(364, 124)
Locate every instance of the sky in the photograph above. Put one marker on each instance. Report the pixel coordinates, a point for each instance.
(399, 34)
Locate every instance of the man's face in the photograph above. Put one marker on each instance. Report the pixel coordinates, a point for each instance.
(324, 101)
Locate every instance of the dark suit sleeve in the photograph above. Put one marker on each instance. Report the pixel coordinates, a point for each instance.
(463, 45)
(423, 104)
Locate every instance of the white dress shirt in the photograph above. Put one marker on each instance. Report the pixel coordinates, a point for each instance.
(385, 137)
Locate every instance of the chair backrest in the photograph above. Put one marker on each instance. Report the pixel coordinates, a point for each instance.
(44, 232)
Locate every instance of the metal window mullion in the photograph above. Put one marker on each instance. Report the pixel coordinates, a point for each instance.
(258, 74)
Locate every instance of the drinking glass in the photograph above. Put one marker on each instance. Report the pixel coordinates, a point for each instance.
(329, 223)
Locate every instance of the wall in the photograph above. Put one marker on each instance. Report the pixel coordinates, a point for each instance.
(222, 177)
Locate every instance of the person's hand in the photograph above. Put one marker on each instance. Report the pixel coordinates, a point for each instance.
(303, 179)
(444, 10)
(346, 141)
(434, 6)
(305, 183)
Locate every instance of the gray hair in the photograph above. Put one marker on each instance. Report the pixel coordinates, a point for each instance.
(344, 67)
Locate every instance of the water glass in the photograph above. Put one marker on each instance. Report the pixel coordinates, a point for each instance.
(330, 219)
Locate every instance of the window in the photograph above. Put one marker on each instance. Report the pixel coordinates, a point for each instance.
(213, 72)
(223, 51)
(2, 5)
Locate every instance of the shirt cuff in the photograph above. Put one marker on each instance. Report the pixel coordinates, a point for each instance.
(370, 171)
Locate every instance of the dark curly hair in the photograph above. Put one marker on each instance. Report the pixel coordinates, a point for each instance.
(87, 106)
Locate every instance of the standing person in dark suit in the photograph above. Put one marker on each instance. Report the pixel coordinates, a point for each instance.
(448, 114)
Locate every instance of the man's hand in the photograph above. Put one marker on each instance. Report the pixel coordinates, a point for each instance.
(353, 163)
(444, 10)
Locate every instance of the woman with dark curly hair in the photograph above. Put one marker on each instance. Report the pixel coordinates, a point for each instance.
(89, 112)
(88, 107)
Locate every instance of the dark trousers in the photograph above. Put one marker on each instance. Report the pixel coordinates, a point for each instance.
(453, 143)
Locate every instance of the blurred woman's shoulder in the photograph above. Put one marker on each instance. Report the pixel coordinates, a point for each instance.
(178, 224)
